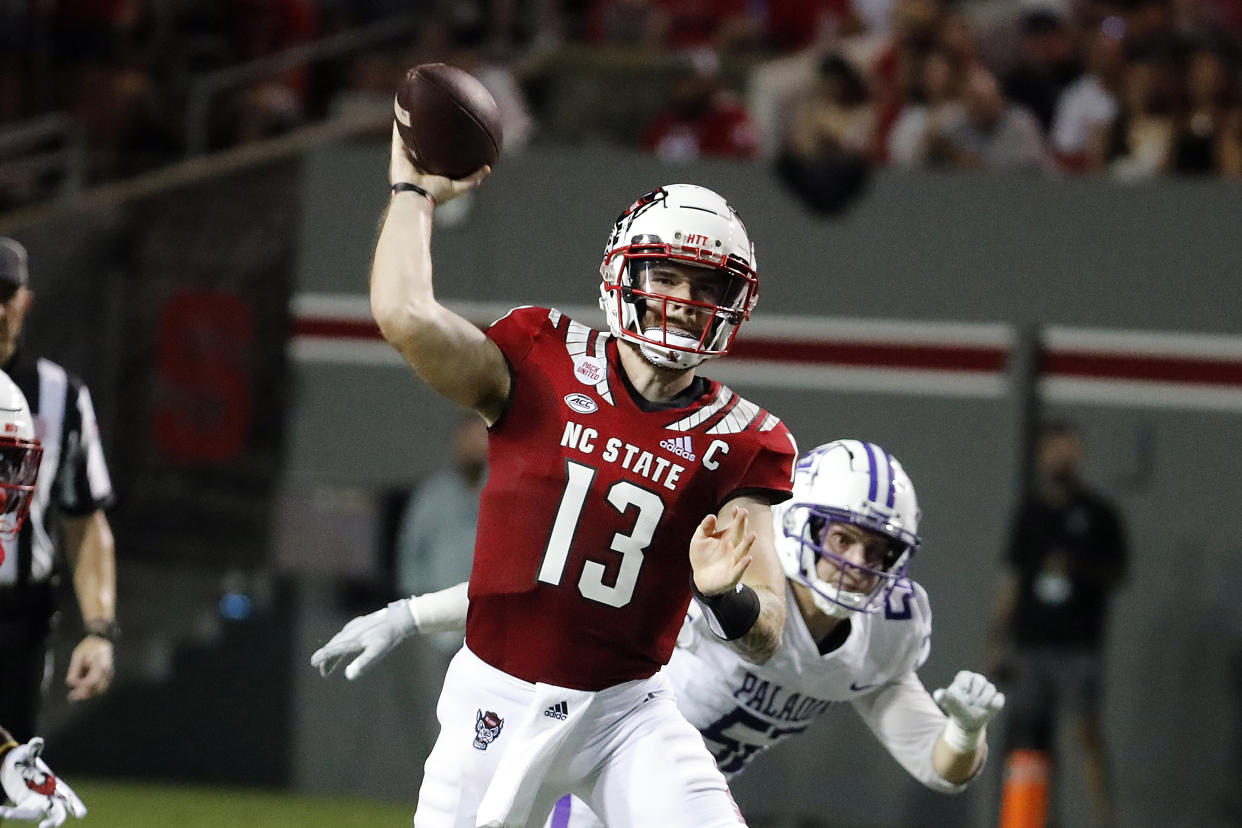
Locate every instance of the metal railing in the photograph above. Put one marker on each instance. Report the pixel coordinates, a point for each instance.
(41, 145)
(205, 88)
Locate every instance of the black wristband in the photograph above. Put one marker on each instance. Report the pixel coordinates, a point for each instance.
(107, 630)
(730, 614)
(407, 187)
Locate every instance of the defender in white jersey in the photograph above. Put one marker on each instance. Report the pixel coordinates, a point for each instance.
(857, 630)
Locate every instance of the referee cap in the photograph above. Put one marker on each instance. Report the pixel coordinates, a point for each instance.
(13, 270)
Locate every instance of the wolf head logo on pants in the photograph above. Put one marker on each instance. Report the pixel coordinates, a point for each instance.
(486, 729)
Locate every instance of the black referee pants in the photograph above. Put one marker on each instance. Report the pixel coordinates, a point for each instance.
(25, 625)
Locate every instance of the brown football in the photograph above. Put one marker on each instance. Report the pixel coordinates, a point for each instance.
(448, 120)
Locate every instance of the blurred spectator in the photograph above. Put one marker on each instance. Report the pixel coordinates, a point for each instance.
(701, 118)
(1067, 553)
(673, 24)
(103, 55)
(792, 25)
(826, 160)
(1150, 25)
(990, 133)
(955, 36)
(1046, 65)
(257, 29)
(914, 34)
(1209, 132)
(876, 16)
(627, 23)
(1143, 136)
(1085, 113)
(435, 540)
(935, 102)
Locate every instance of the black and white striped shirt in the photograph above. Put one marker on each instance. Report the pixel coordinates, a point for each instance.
(73, 476)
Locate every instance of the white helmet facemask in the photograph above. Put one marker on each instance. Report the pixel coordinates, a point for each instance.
(20, 456)
(685, 229)
(859, 484)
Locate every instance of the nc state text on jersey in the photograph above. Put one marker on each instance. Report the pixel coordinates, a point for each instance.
(628, 456)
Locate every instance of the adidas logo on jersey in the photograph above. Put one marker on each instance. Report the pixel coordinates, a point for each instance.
(679, 446)
(557, 711)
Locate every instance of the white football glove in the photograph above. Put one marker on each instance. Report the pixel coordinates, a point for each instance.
(970, 702)
(36, 793)
(371, 635)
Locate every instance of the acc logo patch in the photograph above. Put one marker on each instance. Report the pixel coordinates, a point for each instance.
(581, 403)
(589, 370)
(487, 728)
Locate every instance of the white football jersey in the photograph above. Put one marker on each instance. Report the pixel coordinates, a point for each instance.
(742, 708)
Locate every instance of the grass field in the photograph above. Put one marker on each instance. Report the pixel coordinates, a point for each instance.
(124, 805)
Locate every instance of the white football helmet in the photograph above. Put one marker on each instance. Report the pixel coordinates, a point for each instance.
(20, 456)
(847, 481)
(690, 225)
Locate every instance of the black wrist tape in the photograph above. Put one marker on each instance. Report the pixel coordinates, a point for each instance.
(731, 614)
(407, 187)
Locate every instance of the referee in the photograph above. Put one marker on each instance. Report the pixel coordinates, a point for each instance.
(74, 488)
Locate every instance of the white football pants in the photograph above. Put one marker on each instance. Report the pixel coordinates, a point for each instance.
(626, 751)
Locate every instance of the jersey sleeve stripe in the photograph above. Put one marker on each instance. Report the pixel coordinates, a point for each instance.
(602, 388)
(724, 396)
(576, 338)
(742, 415)
(770, 422)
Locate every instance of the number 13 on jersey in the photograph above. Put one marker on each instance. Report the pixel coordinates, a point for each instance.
(621, 496)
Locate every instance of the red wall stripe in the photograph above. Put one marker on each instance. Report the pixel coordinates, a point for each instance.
(983, 358)
(1197, 370)
(909, 356)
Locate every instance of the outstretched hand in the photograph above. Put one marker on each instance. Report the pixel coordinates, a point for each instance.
(719, 555)
(369, 637)
(401, 169)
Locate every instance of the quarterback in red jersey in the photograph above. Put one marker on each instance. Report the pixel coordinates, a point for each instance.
(620, 482)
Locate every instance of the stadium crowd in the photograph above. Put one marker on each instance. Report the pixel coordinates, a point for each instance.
(826, 89)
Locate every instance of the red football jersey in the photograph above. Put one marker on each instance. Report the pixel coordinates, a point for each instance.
(581, 564)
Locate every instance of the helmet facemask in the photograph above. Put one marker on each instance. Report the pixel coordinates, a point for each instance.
(679, 227)
(807, 525)
(19, 470)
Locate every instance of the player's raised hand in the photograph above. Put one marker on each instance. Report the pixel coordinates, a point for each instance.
(971, 701)
(37, 793)
(371, 636)
(401, 170)
(719, 555)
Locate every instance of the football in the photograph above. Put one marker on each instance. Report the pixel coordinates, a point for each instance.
(448, 120)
